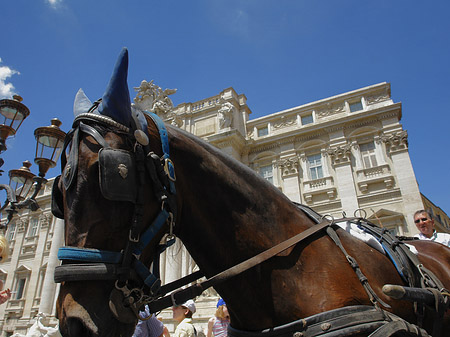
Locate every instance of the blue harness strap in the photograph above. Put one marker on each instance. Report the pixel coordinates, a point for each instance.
(89, 255)
(168, 165)
(162, 133)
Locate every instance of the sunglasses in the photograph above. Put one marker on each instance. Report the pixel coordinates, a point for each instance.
(422, 219)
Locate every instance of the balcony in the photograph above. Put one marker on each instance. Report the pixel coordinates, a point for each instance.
(15, 307)
(374, 175)
(322, 189)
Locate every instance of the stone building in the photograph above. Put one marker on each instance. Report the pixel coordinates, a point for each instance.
(341, 154)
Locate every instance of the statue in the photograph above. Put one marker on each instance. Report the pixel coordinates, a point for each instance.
(152, 98)
(225, 115)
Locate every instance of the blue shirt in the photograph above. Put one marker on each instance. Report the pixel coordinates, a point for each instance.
(151, 327)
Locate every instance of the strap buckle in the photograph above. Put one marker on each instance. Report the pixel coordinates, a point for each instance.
(169, 169)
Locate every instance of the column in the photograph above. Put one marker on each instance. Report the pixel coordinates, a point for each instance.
(340, 156)
(357, 154)
(379, 153)
(49, 286)
(324, 160)
(173, 263)
(290, 177)
(397, 148)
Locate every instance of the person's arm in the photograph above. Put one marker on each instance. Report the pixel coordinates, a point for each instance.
(210, 327)
(165, 333)
(5, 295)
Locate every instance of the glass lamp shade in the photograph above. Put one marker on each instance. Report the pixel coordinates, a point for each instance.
(21, 180)
(12, 114)
(49, 144)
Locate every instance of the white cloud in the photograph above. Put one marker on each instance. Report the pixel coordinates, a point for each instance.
(54, 3)
(6, 89)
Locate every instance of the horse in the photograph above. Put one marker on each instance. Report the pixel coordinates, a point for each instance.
(126, 172)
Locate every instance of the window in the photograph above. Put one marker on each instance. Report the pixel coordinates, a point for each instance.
(315, 166)
(307, 119)
(355, 106)
(368, 155)
(20, 287)
(263, 131)
(266, 172)
(34, 224)
(11, 231)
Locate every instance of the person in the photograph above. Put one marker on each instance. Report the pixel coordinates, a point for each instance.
(425, 224)
(218, 324)
(150, 326)
(4, 253)
(183, 315)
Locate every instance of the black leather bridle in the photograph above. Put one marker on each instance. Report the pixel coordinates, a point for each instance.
(122, 174)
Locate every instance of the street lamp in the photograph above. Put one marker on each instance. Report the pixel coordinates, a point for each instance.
(13, 113)
(49, 144)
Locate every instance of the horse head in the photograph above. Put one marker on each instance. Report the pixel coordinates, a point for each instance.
(110, 236)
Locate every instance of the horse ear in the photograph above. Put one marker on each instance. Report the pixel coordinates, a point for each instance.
(116, 99)
(82, 104)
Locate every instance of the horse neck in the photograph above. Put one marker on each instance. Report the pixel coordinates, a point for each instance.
(227, 212)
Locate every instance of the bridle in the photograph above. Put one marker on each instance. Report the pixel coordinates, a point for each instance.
(122, 174)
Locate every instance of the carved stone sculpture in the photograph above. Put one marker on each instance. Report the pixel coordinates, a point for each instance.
(225, 115)
(152, 98)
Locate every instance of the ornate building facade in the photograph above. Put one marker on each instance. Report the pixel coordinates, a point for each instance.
(347, 153)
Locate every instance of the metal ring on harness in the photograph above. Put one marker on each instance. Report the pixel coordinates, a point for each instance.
(362, 213)
(328, 217)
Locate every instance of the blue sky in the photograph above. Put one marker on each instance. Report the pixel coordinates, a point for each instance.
(279, 53)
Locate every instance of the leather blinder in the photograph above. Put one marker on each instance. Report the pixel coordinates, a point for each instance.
(57, 200)
(117, 169)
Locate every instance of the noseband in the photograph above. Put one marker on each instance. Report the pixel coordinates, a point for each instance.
(122, 176)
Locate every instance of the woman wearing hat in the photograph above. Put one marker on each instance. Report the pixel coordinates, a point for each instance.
(218, 324)
(183, 315)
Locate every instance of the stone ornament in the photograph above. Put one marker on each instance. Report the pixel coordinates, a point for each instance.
(377, 98)
(44, 220)
(396, 142)
(288, 166)
(153, 98)
(330, 109)
(340, 154)
(285, 122)
(225, 114)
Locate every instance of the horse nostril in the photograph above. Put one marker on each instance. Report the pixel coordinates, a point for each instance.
(76, 328)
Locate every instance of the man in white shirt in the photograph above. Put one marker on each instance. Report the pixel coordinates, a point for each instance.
(425, 224)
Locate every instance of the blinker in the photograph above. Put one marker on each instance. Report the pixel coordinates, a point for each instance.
(117, 170)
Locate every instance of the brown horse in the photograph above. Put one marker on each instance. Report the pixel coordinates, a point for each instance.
(225, 214)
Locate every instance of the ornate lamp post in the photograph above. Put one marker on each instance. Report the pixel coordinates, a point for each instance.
(12, 114)
(49, 144)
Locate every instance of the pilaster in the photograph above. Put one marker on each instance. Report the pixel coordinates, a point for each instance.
(341, 162)
(397, 149)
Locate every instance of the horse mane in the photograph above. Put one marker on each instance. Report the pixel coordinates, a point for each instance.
(226, 201)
